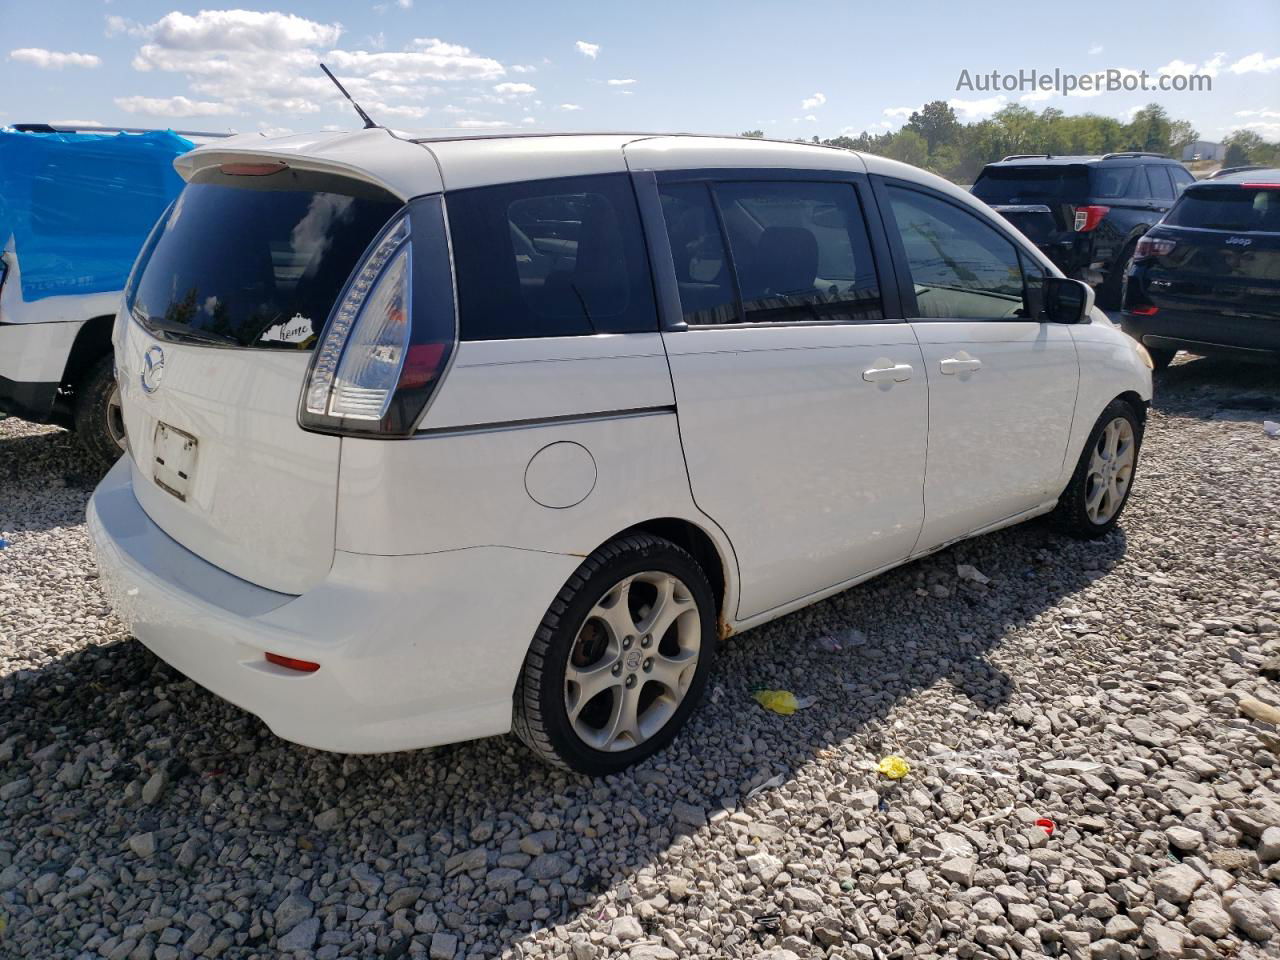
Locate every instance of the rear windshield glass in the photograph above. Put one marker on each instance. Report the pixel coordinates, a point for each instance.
(258, 264)
(1228, 207)
(1032, 184)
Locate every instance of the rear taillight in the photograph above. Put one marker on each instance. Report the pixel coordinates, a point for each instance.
(1261, 186)
(1088, 217)
(1153, 247)
(377, 362)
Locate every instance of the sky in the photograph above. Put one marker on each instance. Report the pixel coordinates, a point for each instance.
(792, 69)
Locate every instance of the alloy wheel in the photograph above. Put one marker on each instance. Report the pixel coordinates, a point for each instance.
(1110, 471)
(633, 660)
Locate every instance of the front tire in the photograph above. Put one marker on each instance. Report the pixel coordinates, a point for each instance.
(620, 659)
(99, 421)
(1091, 505)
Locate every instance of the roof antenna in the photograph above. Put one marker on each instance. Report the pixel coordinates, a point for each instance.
(368, 123)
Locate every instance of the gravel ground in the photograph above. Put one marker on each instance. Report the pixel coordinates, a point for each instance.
(1118, 689)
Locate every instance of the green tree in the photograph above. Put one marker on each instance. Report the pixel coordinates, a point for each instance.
(1149, 129)
(1243, 147)
(909, 147)
(1181, 135)
(936, 122)
(753, 134)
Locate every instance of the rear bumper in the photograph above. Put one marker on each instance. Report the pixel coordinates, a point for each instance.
(1204, 332)
(414, 650)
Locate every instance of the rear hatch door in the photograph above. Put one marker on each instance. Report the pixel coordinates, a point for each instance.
(1226, 253)
(228, 298)
(1038, 200)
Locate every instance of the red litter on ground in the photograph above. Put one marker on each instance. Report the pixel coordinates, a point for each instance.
(1047, 825)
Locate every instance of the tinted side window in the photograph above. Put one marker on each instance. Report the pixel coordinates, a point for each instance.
(800, 251)
(550, 258)
(1161, 187)
(961, 267)
(1181, 178)
(1110, 183)
(702, 267)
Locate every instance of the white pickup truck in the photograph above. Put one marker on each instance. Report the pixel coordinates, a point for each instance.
(75, 208)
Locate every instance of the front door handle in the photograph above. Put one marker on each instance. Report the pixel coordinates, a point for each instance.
(887, 370)
(961, 363)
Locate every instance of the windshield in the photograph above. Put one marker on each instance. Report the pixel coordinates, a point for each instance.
(254, 265)
(1022, 184)
(1228, 207)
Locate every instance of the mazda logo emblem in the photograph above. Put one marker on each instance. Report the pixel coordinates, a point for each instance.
(152, 369)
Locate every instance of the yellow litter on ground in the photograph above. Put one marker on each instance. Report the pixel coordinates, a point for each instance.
(779, 701)
(893, 767)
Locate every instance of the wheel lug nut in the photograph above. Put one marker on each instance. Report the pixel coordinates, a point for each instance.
(626, 643)
(631, 680)
(646, 640)
(617, 669)
(648, 665)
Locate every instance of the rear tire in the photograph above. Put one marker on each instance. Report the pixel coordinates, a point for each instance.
(620, 660)
(1110, 290)
(98, 419)
(1091, 505)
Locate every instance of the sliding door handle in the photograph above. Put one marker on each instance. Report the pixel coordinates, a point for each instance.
(961, 363)
(886, 370)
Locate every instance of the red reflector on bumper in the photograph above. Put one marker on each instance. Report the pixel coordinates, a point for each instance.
(303, 666)
(1145, 311)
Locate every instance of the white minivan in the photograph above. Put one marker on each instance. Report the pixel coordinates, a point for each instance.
(439, 438)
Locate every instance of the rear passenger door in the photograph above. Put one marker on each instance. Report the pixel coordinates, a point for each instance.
(1002, 384)
(802, 407)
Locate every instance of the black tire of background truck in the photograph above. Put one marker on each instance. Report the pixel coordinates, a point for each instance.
(1070, 516)
(539, 716)
(1111, 289)
(94, 408)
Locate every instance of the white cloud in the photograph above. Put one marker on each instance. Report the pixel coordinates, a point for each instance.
(117, 25)
(270, 62)
(514, 89)
(570, 107)
(1095, 49)
(172, 107)
(378, 110)
(621, 83)
(1214, 64)
(1038, 96)
(817, 100)
(977, 109)
(899, 113)
(523, 68)
(1253, 63)
(483, 124)
(404, 4)
(1177, 66)
(528, 120)
(590, 50)
(810, 118)
(52, 59)
(1265, 114)
(211, 30)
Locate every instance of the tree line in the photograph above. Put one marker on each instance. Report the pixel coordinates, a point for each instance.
(934, 138)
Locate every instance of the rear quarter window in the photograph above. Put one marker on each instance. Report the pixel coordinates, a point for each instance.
(1028, 184)
(550, 258)
(1111, 183)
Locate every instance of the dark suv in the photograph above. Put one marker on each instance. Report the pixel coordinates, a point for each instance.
(1085, 213)
(1207, 277)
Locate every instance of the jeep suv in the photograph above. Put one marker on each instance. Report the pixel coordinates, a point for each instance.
(1085, 213)
(439, 438)
(1207, 277)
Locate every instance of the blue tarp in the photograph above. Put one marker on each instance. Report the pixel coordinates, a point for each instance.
(79, 206)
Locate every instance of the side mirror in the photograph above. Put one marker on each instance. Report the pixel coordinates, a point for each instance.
(1067, 301)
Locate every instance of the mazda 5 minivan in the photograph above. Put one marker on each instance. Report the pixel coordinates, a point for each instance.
(441, 438)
